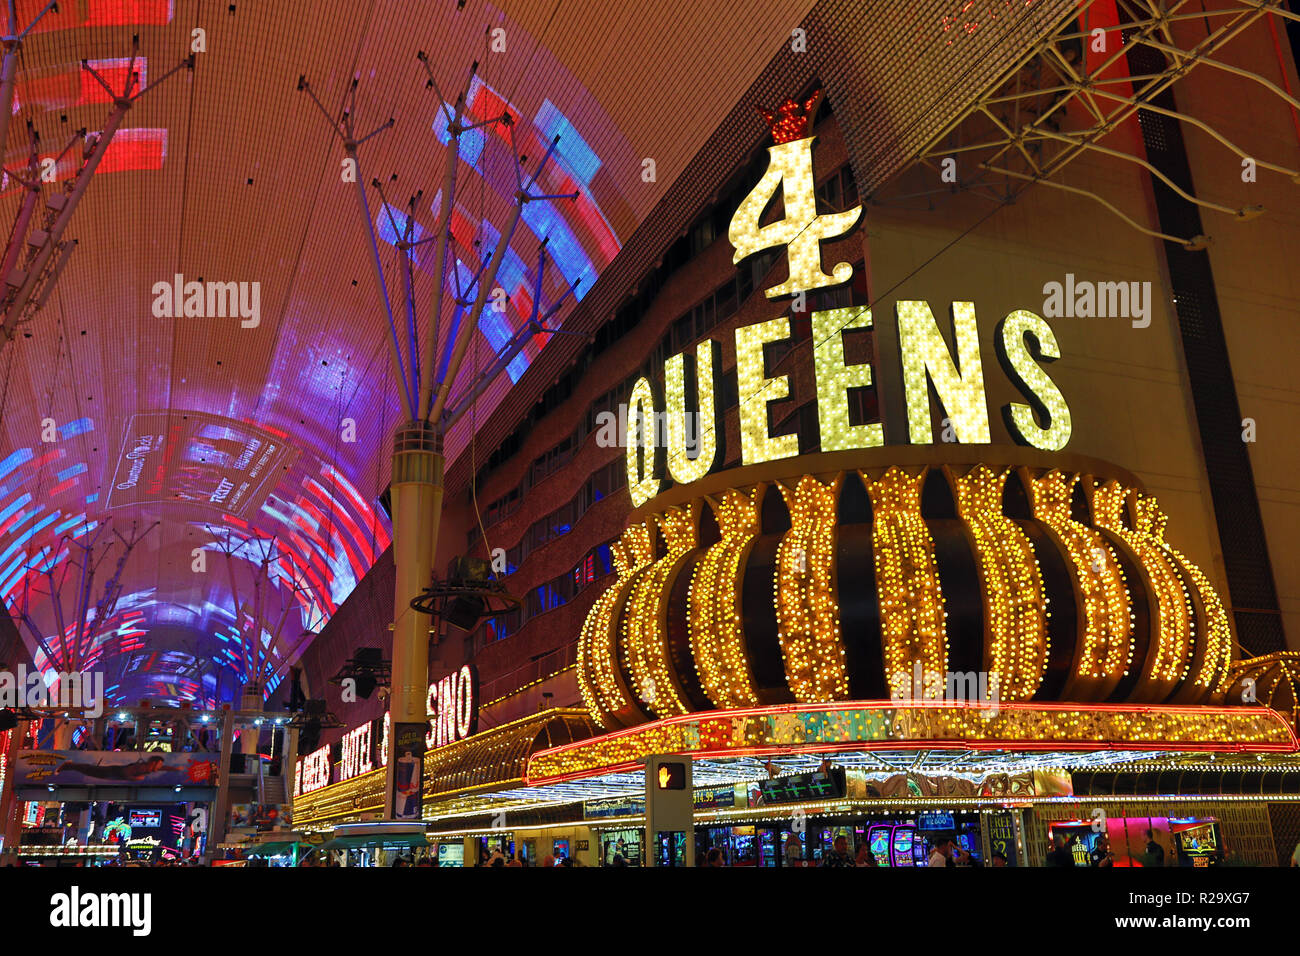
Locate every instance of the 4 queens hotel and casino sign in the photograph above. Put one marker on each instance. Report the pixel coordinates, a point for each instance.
(1024, 340)
(772, 591)
(453, 715)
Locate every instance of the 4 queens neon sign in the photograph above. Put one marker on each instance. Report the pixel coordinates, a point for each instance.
(1024, 343)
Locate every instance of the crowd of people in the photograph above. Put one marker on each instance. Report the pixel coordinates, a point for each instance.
(945, 852)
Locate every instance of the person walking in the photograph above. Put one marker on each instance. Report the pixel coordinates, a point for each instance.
(839, 855)
(941, 853)
(1155, 852)
(1060, 854)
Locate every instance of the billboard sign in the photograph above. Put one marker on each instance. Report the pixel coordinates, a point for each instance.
(100, 768)
(227, 465)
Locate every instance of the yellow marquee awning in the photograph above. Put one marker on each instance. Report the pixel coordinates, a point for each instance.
(499, 757)
(494, 759)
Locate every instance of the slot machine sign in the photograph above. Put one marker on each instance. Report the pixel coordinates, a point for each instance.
(799, 787)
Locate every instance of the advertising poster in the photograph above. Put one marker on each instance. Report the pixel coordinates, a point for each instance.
(227, 465)
(146, 818)
(408, 771)
(451, 854)
(1002, 834)
(90, 768)
(269, 816)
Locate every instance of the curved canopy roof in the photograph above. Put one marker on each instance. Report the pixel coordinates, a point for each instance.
(225, 444)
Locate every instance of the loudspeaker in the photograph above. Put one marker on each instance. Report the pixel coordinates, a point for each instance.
(466, 570)
(463, 612)
(296, 697)
(309, 737)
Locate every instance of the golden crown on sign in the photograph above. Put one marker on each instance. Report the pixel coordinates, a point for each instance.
(790, 120)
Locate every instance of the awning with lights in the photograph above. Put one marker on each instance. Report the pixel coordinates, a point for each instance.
(486, 762)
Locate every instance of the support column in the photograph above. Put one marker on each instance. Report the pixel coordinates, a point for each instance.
(669, 810)
(417, 511)
(250, 703)
(142, 725)
(10, 805)
(220, 814)
(63, 728)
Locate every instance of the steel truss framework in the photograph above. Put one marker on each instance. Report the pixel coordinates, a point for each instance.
(36, 253)
(426, 374)
(84, 617)
(1072, 90)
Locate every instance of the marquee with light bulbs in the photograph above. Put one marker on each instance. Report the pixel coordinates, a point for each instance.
(749, 604)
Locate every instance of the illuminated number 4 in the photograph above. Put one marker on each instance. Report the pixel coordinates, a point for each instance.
(802, 230)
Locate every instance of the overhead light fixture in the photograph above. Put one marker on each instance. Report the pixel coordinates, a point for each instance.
(367, 670)
(470, 593)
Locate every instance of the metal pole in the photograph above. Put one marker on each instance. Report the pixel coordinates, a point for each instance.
(439, 264)
(221, 810)
(10, 805)
(464, 333)
(70, 200)
(21, 224)
(417, 489)
(398, 366)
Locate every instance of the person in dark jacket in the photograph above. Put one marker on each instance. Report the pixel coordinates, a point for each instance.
(1060, 854)
(839, 856)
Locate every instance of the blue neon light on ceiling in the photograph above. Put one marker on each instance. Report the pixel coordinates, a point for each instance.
(21, 456)
(578, 157)
(564, 249)
(387, 217)
(471, 140)
(78, 427)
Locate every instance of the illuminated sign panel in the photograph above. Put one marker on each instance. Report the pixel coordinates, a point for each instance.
(452, 707)
(313, 771)
(1024, 343)
(357, 752)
